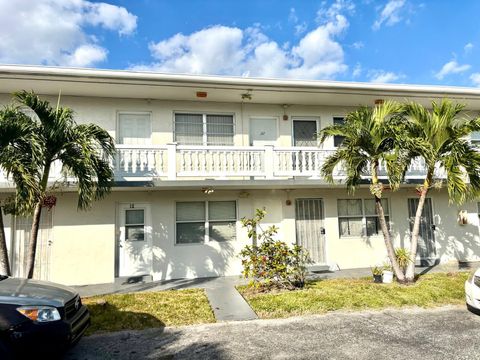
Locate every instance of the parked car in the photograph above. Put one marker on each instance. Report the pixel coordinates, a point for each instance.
(39, 317)
(472, 291)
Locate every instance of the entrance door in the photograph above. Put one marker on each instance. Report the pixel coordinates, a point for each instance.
(23, 226)
(134, 243)
(263, 131)
(426, 251)
(309, 218)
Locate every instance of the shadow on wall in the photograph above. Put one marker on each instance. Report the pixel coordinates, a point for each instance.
(190, 260)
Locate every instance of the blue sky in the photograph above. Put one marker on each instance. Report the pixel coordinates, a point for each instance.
(402, 41)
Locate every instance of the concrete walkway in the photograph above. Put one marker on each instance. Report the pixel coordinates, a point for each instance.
(225, 300)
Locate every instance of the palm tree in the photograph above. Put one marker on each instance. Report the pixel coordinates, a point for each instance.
(371, 137)
(18, 149)
(445, 131)
(85, 152)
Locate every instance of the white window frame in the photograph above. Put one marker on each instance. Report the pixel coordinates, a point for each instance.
(305, 118)
(364, 217)
(117, 125)
(206, 238)
(139, 224)
(204, 124)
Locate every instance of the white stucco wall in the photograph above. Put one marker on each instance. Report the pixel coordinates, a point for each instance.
(104, 111)
(83, 250)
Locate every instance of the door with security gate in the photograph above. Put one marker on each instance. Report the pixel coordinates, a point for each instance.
(309, 226)
(426, 249)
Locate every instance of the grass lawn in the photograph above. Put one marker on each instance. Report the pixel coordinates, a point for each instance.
(148, 309)
(358, 294)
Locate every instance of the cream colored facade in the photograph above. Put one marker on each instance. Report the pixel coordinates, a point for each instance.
(83, 247)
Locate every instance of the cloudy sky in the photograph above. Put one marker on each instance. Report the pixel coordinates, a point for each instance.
(399, 41)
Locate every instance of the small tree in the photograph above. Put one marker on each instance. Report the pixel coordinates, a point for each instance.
(272, 263)
(445, 133)
(18, 155)
(85, 152)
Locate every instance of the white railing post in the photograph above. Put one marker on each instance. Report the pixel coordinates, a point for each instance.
(172, 161)
(269, 162)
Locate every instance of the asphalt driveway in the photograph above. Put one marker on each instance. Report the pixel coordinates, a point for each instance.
(444, 333)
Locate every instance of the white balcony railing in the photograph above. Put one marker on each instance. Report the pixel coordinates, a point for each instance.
(172, 162)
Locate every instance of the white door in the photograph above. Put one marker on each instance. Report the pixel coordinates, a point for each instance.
(426, 247)
(23, 226)
(310, 229)
(135, 240)
(263, 131)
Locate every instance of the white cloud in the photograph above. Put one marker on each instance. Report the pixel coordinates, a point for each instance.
(85, 55)
(292, 16)
(383, 77)
(475, 77)
(468, 47)
(227, 50)
(56, 32)
(358, 45)
(390, 14)
(357, 71)
(451, 67)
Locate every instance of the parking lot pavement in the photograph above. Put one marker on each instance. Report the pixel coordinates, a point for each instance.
(443, 333)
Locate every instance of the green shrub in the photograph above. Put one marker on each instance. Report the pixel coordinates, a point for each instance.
(403, 258)
(269, 262)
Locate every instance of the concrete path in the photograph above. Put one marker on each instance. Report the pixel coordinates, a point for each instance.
(445, 333)
(225, 300)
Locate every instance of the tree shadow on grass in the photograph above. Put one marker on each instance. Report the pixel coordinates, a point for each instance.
(107, 317)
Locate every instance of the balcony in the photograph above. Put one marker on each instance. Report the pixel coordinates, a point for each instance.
(180, 164)
(177, 162)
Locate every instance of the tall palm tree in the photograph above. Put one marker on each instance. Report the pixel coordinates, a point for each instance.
(18, 154)
(84, 150)
(372, 137)
(445, 130)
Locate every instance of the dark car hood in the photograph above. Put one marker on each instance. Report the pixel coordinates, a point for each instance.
(33, 292)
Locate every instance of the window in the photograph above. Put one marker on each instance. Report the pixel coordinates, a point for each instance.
(134, 225)
(337, 139)
(356, 214)
(201, 220)
(304, 133)
(475, 138)
(371, 217)
(203, 129)
(134, 128)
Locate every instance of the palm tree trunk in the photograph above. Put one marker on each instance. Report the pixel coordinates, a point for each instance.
(383, 225)
(32, 246)
(410, 273)
(4, 263)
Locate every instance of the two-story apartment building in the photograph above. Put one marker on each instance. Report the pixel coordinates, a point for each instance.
(195, 154)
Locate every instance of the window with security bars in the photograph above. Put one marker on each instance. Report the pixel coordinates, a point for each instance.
(304, 133)
(204, 129)
(355, 215)
(337, 139)
(201, 221)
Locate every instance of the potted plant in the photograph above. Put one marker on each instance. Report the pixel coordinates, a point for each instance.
(377, 272)
(387, 274)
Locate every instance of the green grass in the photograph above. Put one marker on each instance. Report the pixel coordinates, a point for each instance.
(358, 294)
(143, 310)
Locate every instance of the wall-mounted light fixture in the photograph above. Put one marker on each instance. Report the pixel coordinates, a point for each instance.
(202, 94)
(285, 107)
(208, 190)
(247, 95)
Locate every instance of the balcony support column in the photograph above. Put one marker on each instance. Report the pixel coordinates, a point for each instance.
(269, 161)
(172, 161)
